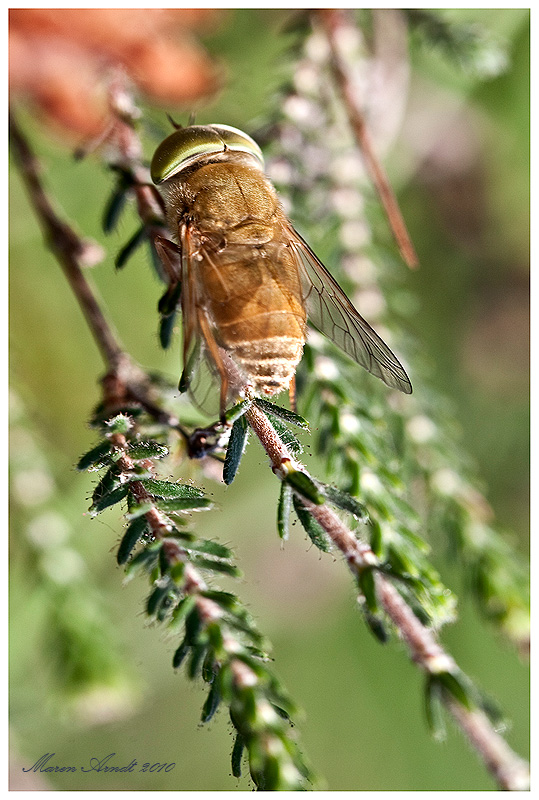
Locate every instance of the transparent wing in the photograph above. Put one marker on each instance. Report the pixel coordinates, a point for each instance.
(329, 310)
(200, 377)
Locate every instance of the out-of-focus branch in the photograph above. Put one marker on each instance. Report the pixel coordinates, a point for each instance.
(510, 771)
(124, 380)
(334, 22)
(72, 252)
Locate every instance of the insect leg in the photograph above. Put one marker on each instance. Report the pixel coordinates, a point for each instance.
(213, 348)
(170, 256)
(292, 393)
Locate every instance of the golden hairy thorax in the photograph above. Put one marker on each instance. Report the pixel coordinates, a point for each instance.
(245, 274)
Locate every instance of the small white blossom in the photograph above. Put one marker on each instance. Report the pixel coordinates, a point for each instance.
(306, 79)
(302, 111)
(315, 339)
(104, 704)
(266, 712)
(347, 168)
(349, 422)
(370, 482)
(440, 662)
(421, 429)
(446, 481)
(478, 534)
(360, 268)
(280, 171)
(354, 234)
(371, 302)
(349, 42)
(317, 48)
(325, 369)
(48, 529)
(32, 486)
(63, 565)
(16, 408)
(347, 202)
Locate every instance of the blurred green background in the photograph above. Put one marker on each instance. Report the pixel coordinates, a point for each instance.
(364, 726)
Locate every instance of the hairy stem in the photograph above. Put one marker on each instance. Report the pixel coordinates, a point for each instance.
(509, 770)
(72, 252)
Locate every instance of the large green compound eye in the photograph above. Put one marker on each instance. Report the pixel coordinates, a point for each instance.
(186, 145)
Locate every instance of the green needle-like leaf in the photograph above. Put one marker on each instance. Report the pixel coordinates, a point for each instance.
(169, 491)
(215, 565)
(180, 654)
(212, 703)
(183, 504)
(211, 548)
(283, 510)
(344, 501)
(95, 458)
(169, 301)
(305, 485)
(115, 206)
(135, 531)
(129, 248)
(156, 599)
(109, 499)
(184, 607)
(434, 709)
(315, 532)
(236, 411)
(457, 685)
(237, 755)
(235, 449)
(166, 329)
(284, 413)
(368, 587)
(289, 439)
(143, 450)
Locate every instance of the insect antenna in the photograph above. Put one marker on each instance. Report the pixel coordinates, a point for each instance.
(174, 124)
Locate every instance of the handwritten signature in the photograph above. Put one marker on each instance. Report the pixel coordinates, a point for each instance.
(99, 765)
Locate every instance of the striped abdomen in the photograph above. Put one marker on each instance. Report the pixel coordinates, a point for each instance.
(253, 297)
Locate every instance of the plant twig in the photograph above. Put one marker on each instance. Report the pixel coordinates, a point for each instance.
(510, 771)
(334, 22)
(72, 252)
(124, 379)
(221, 643)
(274, 758)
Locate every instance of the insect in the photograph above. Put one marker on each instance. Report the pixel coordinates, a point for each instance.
(249, 282)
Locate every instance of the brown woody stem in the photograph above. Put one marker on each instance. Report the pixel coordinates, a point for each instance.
(509, 770)
(124, 380)
(71, 251)
(333, 21)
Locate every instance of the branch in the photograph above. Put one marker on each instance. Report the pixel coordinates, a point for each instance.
(334, 23)
(72, 252)
(217, 626)
(221, 643)
(124, 380)
(510, 771)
